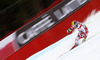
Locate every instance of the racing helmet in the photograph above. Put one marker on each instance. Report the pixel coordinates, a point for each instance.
(74, 23)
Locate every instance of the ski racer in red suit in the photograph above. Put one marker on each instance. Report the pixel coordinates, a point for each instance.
(83, 31)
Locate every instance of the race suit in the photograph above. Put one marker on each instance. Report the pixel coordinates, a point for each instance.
(83, 31)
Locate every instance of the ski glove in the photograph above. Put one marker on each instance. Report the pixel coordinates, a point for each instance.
(69, 30)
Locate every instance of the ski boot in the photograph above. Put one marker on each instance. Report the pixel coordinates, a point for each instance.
(84, 40)
(74, 46)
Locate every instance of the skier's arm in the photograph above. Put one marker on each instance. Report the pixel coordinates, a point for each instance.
(70, 29)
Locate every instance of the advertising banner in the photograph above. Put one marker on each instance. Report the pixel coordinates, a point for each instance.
(30, 32)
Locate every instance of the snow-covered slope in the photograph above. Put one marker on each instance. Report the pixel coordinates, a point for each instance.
(90, 50)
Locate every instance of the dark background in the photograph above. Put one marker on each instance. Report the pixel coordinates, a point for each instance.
(14, 13)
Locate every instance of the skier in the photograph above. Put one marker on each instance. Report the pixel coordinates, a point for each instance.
(83, 31)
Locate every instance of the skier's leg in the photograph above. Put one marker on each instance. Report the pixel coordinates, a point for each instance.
(76, 44)
(76, 41)
(79, 36)
(85, 36)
